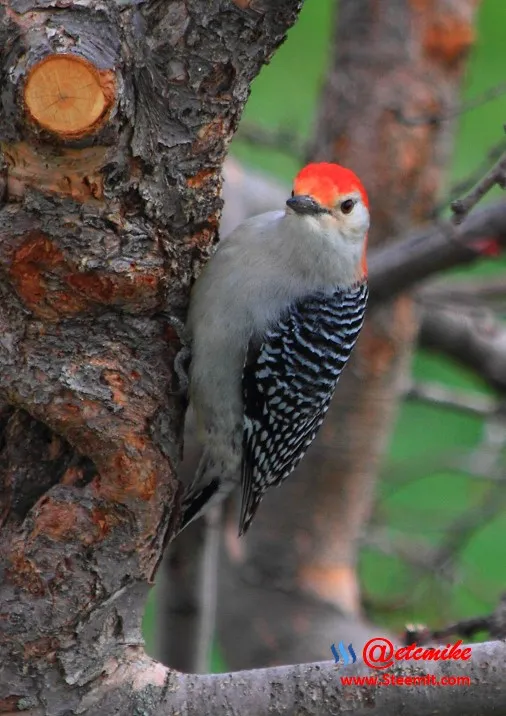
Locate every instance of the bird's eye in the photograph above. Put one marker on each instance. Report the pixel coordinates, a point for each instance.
(347, 206)
(293, 193)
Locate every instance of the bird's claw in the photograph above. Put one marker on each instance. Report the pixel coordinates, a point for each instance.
(181, 370)
(183, 356)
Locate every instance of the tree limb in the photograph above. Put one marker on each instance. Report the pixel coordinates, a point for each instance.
(494, 624)
(312, 689)
(484, 291)
(494, 177)
(475, 344)
(316, 689)
(444, 397)
(465, 183)
(438, 247)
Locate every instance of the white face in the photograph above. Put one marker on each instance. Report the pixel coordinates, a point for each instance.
(334, 233)
(348, 217)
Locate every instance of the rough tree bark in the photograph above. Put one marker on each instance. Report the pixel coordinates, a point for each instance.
(114, 122)
(295, 573)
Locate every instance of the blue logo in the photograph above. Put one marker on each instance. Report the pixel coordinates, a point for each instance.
(348, 656)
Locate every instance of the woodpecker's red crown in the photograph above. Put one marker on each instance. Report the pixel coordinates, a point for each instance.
(327, 182)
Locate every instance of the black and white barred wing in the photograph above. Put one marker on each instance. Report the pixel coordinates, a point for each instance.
(288, 386)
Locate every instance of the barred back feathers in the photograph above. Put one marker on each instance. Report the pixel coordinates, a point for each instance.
(288, 388)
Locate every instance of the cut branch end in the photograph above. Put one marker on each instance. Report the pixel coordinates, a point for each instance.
(68, 96)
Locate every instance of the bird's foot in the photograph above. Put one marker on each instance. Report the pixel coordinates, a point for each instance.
(182, 359)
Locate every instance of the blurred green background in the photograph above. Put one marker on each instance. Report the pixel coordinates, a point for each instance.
(418, 497)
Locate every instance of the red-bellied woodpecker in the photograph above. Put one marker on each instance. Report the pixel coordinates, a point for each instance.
(273, 318)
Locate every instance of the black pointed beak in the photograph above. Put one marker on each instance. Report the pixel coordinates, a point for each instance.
(304, 204)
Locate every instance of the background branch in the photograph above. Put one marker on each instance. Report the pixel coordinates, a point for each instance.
(474, 292)
(478, 345)
(438, 247)
(444, 397)
(494, 624)
(494, 177)
(467, 182)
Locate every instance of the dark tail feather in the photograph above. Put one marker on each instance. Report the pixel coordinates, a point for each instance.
(195, 502)
(249, 506)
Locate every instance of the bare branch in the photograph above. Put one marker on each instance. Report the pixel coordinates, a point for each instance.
(467, 182)
(316, 688)
(473, 291)
(477, 345)
(495, 177)
(445, 397)
(441, 246)
(438, 560)
(494, 624)
(287, 141)
(467, 628)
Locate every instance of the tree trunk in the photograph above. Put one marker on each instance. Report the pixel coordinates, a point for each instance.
(295, 574)
(114, 122)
